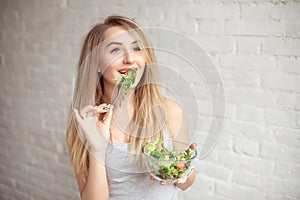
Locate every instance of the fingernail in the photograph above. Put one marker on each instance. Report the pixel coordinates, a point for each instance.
(105, 108)
(193, 146)
(109, 105)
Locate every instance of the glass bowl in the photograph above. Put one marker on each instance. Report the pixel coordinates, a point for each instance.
(168, 161)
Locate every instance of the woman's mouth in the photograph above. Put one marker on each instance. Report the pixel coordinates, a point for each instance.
(125, 70)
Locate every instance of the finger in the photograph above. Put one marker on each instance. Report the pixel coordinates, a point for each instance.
(103, 105)
(185, 178)
(108, 116)
(182, 180)
(103, 108)
(191, 171)
(193, 146)
(163, 183)
(151, 178)
(84, 112)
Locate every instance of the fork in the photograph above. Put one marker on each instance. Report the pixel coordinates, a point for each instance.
(118, 94)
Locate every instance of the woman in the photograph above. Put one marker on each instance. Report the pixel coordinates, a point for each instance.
(105, 141)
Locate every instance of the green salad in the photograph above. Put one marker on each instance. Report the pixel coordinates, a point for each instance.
(126, 80)
(169, 164)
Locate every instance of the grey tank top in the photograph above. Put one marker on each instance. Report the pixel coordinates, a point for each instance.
(128, 180)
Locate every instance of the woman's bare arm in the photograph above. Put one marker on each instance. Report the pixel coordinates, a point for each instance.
(178, 128)
(96, 186)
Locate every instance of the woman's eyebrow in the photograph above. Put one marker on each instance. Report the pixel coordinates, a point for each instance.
(117, 43)
(120, 43)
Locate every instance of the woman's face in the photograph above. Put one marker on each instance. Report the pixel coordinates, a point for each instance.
(119, 52)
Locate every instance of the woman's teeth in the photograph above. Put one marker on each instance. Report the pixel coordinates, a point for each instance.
(124, 71)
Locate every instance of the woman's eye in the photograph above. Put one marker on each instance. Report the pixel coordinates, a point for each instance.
(136, 48)
(115, 50)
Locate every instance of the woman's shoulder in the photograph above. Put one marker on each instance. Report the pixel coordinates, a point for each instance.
(173, 109)
(174, 116)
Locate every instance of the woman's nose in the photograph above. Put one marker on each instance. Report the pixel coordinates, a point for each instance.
(129, 58)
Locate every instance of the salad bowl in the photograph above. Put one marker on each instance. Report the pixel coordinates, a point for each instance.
(168, 161)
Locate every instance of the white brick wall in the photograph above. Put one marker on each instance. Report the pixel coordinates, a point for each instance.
(255, 45)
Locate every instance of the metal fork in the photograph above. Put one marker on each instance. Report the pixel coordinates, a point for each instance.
(118, 94)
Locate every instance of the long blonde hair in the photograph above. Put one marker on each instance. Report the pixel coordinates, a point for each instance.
(88, 91)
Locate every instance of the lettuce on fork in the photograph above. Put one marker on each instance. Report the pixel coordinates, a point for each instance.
(126, 80)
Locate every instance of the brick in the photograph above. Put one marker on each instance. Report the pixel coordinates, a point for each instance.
(289, 64)
(249, 130)
(218, 44)
(212, 143)
(201, 178)
(40, 173)
(250, 96)
(76, 5)
(287, 171)
(228, 159)
(159, 3)
(209, 27)
(257, 63)
(253, 28)
(7, 181)
(286, 11)
(279, 81)
(214, 171)
(298, 104)
(287, 100)
(235, 191)
(287, 136)
(10, 14)
(281, 118)
(256, 10)
(288, 47)
(257, 165)
(292, 29)
(280, 152)
(225, 142)
(13, 42)
(245, 146)
(279, 186)
(200, 194)
(229, 110)
(233, 78)
(200, 91)
(246, 178)
(34, 189)
(248, 45)
(204, 123)
(214, 11)
(249, 113)
(6, 190)
(20, 195)
(205, 107)
(2, 61)
(272, 196)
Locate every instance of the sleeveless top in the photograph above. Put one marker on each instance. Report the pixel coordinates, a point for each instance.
(128, 180)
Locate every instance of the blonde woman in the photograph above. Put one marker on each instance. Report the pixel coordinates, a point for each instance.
(105, 140)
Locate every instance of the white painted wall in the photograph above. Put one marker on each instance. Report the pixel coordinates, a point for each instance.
(255, 46)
